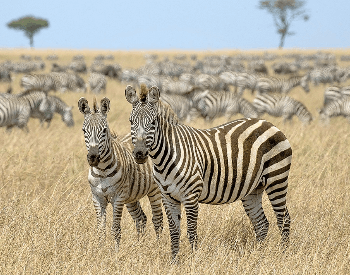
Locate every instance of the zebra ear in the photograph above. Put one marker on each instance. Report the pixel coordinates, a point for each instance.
(83, 105)
(153, 94)
(105, 102)
(130, 95)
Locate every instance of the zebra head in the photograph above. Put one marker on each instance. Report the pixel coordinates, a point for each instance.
(143, 119)
(67, 116)
(96, 130)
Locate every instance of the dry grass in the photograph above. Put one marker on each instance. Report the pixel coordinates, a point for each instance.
(47, 221)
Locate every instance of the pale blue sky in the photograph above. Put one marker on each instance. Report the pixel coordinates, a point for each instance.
(180, 24)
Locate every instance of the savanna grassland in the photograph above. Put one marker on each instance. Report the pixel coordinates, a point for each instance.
(48, 224)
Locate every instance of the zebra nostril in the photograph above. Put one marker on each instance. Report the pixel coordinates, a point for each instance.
(139, 155)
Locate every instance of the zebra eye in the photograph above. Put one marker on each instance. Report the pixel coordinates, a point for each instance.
(105, 130)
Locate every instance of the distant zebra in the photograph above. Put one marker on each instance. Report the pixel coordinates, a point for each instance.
(281, 106)
(43, 82)
(335, 93)
(57, 105)
(210, 82)
(114, 177)
(214, 104)
(97, 83)
(324, 75)
(15, 110)
(280, 85)
(337, 107)
(181, 105)
(235, 161)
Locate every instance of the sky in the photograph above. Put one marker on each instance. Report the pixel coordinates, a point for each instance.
(172, 25)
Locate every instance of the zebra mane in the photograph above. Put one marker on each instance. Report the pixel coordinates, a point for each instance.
(166, 112)
(94, 105)
(143, 93)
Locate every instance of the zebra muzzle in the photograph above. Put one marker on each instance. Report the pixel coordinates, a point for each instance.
(93, 156)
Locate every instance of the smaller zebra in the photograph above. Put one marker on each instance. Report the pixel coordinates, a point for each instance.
(281, 106)
(56, 105)
(15, 110)
(337, 107)
(43, 82)
(114, 176)
(97, 83)
(281, 85)
(214, 104)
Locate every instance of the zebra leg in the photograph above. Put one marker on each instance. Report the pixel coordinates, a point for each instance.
(191, 208)
(277, 193)
(100, 204)
(117, 216)
(173, 212)
(138, 216)
(155, 200)
(253, 207)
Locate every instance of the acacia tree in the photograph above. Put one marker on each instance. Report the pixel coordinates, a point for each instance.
(30, 25)
(284, 12)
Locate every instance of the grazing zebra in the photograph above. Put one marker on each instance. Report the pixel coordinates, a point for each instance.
(235, 161)
(281, 106)
(97, 83)
(57, 105)
(337, 107)
(15, 110)
(181, 105)
(209, 82)
(281, 85)
(324, 75)
(114, 177)
(214, 104)
(43, 82)
(335, 93)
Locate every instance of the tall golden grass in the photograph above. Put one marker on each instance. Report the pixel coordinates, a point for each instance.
(48, 225)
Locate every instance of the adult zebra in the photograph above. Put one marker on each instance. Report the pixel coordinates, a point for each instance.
(98, 83)
(280, 85)
(214, 104)
(235, 161)
(281, 106)
(114, 177)
(336, 107)
(56, 105)
(15, 110)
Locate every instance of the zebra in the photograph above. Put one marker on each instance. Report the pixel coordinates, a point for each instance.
(68, 81)
(324, 75)
(97, 83)
(213, 104)
(235, 161)
(56, 105)
(44, 82)
(114, 177)
(15, 110)
(281, 85)
(181, 105)
(281, 105)
(205, 82)
(337, 107)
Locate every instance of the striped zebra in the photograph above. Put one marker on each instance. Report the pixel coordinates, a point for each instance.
(281, 106)
(114, 177)
(214, 104)
(43, 82)
(235, 161)
(337, 107)
(56, 105)
(324, 75)
(280, 85)
(97, 83)
(15, 110)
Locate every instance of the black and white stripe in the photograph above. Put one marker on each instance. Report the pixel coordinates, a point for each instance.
(97, 83)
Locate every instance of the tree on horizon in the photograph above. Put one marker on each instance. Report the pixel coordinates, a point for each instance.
(30, 25)
(284, 12)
